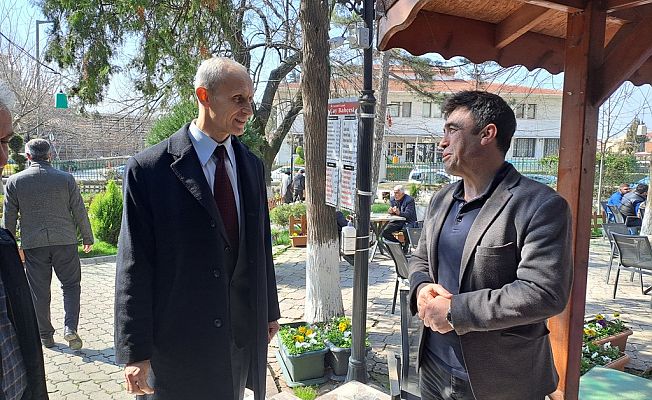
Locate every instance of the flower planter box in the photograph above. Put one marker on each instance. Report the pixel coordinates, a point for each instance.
(618, 340)
(306, 366)
(619, 363)
(338, 359)
(299, 241)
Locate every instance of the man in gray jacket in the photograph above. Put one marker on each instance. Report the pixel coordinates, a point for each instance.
(51, 210)
(493, 263)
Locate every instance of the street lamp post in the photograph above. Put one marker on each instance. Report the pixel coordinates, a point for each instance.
(357, 362)
(38, 77)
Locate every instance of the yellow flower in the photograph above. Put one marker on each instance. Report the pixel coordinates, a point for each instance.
(342, 326)
(309, 332)
(599, 317)
(299, 338)
(617, 315)
(302, 330)
(587, 331)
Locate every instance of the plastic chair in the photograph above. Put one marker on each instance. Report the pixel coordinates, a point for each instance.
(401, 267)
(635, 253)
(413, 236)
(617, 214)
(608, 229)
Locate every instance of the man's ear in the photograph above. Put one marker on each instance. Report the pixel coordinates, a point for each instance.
(489, 134)
(202, 96)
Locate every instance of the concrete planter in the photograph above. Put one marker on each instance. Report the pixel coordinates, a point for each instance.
(338, 359)
(306, 366)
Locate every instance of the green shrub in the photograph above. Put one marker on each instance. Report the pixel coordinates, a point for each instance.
(414, 189)
(100, 248)
(379, 207)
(280, 236)
(280, 215)
(106, 213)
(305, 392)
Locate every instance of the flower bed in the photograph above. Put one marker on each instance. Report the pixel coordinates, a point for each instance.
(600, 330)
(302, 352)
(604, 355)
(338, 335)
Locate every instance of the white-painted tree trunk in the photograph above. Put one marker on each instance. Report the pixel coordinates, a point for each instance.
(323, 291)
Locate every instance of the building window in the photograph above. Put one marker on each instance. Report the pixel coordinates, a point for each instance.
(524, 147)
(409, 152)
(528, 111)
(426, 153)
(430, 110)
(395, 148)
(393, 109)
(550, 147)
(407, 109)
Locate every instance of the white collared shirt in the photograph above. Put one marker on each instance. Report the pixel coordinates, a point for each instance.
(205, 147)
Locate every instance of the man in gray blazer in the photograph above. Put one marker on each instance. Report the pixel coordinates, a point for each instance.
(493, 263)
(51, 210)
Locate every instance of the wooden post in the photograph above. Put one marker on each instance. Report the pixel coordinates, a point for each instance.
(579, 122)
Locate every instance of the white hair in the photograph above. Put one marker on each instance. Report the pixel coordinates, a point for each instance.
(7, 97)
(399, 188)
(211, 71)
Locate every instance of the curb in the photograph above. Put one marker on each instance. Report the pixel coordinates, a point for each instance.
(97, 260)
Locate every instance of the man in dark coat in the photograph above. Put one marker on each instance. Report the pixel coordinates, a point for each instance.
(196, 302)
(402, 205)
(22, 374)
(299, 185)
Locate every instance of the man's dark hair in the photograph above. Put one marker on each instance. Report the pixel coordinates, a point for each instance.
(487, 108)
(641, 188)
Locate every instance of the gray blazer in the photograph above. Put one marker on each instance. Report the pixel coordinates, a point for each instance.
(516, 272)
(50, 207)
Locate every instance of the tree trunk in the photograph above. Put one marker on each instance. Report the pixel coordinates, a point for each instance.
(381, 112)
(323, 292)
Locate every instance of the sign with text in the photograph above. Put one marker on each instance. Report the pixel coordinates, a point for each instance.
(342, 153)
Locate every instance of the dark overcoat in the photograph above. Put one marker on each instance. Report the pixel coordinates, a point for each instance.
(172, 302)
(516, 271)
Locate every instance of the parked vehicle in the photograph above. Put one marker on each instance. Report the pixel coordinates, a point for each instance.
(277, 174)
(545, 179)
(431, 177)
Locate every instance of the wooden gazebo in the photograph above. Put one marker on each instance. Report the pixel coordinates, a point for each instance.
(599, 44)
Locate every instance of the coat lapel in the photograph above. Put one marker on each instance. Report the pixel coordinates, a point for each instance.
(488, 213)
(189, 171)
(438, 223)
(249, 187)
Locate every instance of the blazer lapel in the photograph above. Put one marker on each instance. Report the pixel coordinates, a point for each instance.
(438, 223)
(488, 213)
(189, 171)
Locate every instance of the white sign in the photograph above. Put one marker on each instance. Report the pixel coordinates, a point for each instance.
(342, 153)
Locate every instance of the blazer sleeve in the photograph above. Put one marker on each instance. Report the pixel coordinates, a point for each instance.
(544, 276)
(419, 267)
(134, 271)
(10, 205)
(79, 213)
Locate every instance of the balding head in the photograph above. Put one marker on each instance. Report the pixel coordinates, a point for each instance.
(213, 71)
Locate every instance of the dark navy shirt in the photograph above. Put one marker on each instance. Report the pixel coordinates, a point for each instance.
(446, 349)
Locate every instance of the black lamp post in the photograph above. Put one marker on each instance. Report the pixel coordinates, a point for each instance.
(357, 361)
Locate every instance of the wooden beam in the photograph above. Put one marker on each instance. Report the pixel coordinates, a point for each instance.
(618, 5)
(579, 124)
(560, 5)
(520, 21)
(453, 36)
(625, 55)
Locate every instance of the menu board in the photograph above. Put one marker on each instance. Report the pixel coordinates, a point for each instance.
(342, 153)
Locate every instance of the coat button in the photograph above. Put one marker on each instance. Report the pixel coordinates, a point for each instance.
(216, 273)
(217, 323)
(212, 224)
(227, 249)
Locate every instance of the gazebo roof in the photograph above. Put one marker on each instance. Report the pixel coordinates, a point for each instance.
(531, 33)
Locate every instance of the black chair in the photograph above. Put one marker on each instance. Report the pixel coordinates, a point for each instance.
(401, 267)
(608, 229)
(403, 377)
(635, 253)
(413, 236)
(620, 219)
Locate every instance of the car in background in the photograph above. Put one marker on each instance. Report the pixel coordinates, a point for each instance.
(431, 177)
(278, 173)
(549, 180)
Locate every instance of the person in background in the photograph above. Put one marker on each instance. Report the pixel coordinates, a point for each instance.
(299, 185)
(51, 212)
(402, 205)
(22, 371)
(631, 201)
(614, 200)
(286, 187)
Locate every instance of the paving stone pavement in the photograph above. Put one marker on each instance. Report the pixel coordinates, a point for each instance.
(92, 373)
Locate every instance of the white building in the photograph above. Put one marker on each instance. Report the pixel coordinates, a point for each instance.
(414, 124)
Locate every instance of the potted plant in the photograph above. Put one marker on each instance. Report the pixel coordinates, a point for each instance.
(605, 355)
(298, 231)
(338, 338)
(600, 330)
(302, 351)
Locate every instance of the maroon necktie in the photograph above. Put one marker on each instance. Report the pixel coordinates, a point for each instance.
(225, 199)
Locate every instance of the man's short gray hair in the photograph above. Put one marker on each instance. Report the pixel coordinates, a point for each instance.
(7, 97)
(38, 149)
(211, 72)
(399, 188)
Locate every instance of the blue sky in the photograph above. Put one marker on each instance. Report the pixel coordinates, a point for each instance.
(24, 14)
